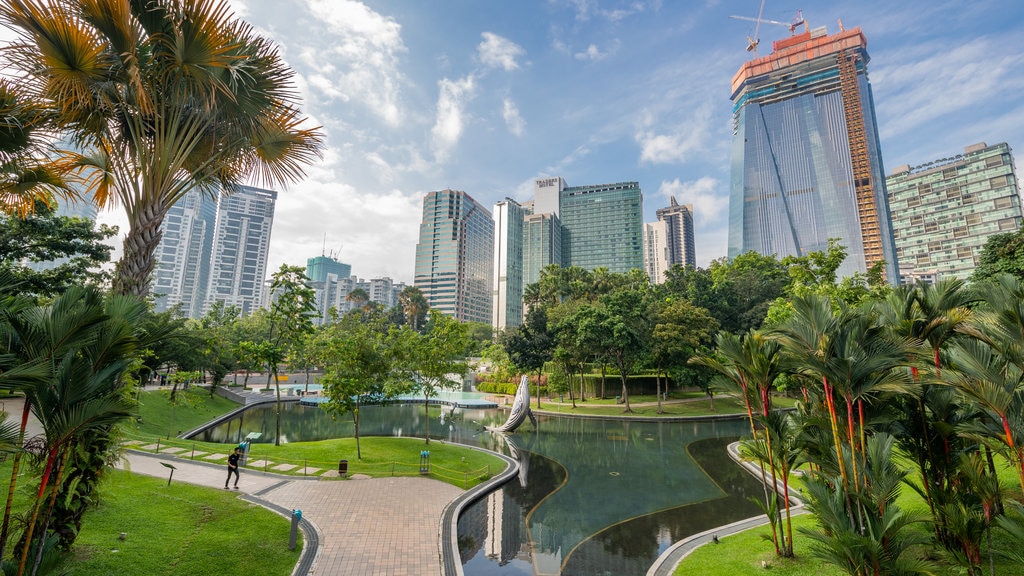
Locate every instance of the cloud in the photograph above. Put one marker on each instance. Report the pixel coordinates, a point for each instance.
(498, 52)
(967, 76)
(682, 144)
(513, 120)
(709, 204)
(451, 102)
(593, 53)
(357, 59)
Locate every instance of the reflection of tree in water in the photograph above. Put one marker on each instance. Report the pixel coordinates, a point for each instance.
(631, 547)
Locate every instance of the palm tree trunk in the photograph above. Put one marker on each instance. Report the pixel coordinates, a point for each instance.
(49, 509)
(134, 271)
(14, 478)
(43, 482)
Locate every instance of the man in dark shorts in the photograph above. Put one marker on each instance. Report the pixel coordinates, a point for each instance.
(233, 467)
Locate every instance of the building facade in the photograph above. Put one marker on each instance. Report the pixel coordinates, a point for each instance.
(215, 251)
(944, 211)
(602, 226)
(806, 161)
(318, 269)
(678, 219)
(542, 245)
(508, 264)
(454, 256)
(656, 251)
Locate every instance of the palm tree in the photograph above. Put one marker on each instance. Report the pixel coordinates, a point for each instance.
(414, 306)
(163, 97)
(358, 297)
(26, 176)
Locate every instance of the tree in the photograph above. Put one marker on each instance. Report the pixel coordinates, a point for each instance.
(531, 344)
(434, 355)
(76, 243)
(745, 288)
(164, 97)
(28, 179)
(414, 306)
(1001, 254)
(628, 326)
(291, 317)
(680, 329)
(358, 298)
(360, 361)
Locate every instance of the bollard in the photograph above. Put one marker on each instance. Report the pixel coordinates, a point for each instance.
(296, 518)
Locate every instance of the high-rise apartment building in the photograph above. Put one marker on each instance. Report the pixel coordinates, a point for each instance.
(944, 211)
(215, 251)
(679, 242)
(602, 226)
(454, 257)
(542, 245)
(656, 251)
(508, 264)
(806, 162)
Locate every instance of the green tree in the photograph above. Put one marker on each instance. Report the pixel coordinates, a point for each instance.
(680, 330)
(434, 355)
(629, 329)
(414, 306)
(531, 344)
(745, 287)
(291, 318)
(1001, 254)
(43, 236)
(165, 97)
(360, 361)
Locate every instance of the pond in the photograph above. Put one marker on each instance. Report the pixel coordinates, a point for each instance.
(594, 496)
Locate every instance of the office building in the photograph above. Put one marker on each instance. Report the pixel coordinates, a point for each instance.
(679, 242)
(542, 245)
(602, 226)
(944, 211)
(806, 162)
(455, 254)
(656, 251)
(318, 269)
(215, 251)
(508, 264)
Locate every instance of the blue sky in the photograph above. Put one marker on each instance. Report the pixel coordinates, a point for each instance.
(486, 95)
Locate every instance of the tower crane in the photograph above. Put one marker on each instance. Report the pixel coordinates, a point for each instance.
(752, 43)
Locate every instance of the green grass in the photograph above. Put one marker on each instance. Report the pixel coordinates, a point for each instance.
(381, 456)
(179, 529)
(724, 405)
(192, 408)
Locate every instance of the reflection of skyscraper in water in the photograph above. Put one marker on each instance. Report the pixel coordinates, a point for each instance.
(806, 162)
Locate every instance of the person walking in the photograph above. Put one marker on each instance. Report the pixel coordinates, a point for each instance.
(233, 467)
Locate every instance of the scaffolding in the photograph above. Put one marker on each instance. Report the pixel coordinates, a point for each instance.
(860, 158)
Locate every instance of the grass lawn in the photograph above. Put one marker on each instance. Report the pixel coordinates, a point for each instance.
(646, 406)
(381, 456)
(178, 529)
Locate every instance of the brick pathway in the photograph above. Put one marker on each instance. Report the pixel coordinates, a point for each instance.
(366, 527)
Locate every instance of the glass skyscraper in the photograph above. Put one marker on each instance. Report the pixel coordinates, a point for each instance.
(319, 268)
(454, 257)
(944, 211)
(602, 226)
(806, 162)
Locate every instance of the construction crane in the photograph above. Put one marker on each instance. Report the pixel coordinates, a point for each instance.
(752, 43)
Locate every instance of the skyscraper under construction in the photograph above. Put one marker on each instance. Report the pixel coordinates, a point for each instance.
(806, 163)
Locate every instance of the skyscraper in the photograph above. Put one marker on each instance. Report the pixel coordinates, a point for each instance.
(656, 251)
(508, 264)
(678, 221)
(454, 257)
(602, 226)
(318, 269)
(542, 245)
(944, 211)
(215, 251)
(806, 163)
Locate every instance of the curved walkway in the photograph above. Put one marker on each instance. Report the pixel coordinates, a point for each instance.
(363, 526)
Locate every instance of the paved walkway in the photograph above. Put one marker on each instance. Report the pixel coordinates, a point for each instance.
(364, 526)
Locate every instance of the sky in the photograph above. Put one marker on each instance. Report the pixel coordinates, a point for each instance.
(484, 96)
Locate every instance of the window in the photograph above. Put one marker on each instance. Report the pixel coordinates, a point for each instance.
(931, 227)
(960, 232)
(1004, 202)
(1008, 224)
(913, 201)
(973, 219)
(916, 220)
(993, 161)
(998, 181)
(964, 252)
(934, 246)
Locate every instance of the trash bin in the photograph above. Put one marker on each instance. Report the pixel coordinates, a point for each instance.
(343, 468)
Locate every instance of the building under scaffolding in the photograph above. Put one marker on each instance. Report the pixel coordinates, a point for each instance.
(806, 163)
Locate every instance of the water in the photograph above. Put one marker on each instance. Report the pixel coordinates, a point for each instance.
(593, 497)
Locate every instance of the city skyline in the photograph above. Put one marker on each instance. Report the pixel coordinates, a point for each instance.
(593, 91)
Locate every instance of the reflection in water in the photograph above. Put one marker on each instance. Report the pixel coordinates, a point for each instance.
(593, 497)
